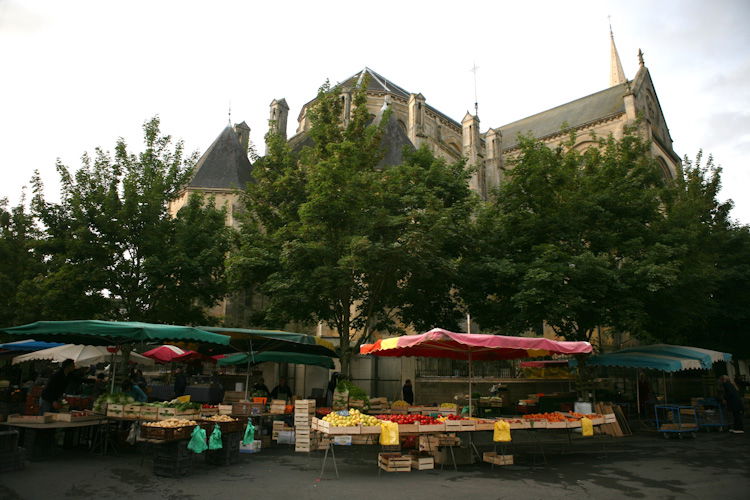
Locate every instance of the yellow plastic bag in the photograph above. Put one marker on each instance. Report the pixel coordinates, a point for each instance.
(502, 432)
(184, 399)
(587, 427)
(389, 433)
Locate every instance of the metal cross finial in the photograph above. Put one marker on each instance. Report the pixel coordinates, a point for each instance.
(476, 101)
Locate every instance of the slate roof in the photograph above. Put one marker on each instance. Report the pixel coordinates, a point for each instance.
(224, 164)
(603, 104)
(393, 142)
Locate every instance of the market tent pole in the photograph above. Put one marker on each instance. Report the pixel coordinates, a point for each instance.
(638, 390)
(470, 374)
(112, 373)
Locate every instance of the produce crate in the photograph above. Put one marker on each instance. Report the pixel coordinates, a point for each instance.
(8, 441)
(166, 433)
(12, 460)
(209, 412)
(519, 424)
(149, 413)
(132, 411)
(370, 429)
(431, 427)
(493, 458)
(242, 408)
(394, 462)
(363, 439)
(29, 419)
(408, 428)
(225, 427)
(225, 409)
(484, 426)
(71, 417)
(610, 418)
(459, 425)
(422, 462)
(327, 428)
(555, 425)
(538, 424)
(115, 411)
(573, 424)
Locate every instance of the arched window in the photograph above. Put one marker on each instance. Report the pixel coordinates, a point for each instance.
(665, 170)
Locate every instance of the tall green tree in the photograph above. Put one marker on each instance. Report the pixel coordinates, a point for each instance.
(18, 259)
(112, 247)
(330, 236)
(568, 240)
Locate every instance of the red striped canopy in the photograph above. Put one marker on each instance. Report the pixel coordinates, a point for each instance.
(439, 343)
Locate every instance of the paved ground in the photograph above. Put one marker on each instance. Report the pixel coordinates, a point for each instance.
(644, 466)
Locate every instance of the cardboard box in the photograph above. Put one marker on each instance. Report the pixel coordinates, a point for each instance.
(342, 440)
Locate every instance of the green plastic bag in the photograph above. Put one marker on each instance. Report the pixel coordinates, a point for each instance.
(197, 442)
(214, 442)
(249, 433)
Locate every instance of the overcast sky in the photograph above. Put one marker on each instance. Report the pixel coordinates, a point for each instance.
(80, 74)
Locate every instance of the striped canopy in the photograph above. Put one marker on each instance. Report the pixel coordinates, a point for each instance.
(663, 357)
(439, 343)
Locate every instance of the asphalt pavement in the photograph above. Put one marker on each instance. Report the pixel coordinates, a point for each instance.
(713, 465)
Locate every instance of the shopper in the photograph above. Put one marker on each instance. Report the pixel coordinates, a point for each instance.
(408, 391)
(55, 388)
(282, 391)
(180, 383)
(131, 389)
(734, 403)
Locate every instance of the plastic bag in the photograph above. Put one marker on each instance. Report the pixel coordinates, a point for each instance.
(197, 442)
(249, 433)
(587, 427)
(389, 433)
(501, 433)
(133, 433)
(214, 442)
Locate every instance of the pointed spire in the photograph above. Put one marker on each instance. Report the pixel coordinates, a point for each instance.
(616, 74)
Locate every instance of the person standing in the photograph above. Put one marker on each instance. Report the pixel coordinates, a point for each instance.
(180, 383)
(55, 388)
(408, 391)
(282, 391)
(734, 403)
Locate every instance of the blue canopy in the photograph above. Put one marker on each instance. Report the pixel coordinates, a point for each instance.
(663, 357)
(29, 345)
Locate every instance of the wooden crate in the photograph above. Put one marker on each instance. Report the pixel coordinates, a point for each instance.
(166, 434)
(29, 419)
(519, 424)
(370, 429)
(573, 424)
(555, 425)
(116, 411)
(484, 426)
(225, 409)
(431, 428)
(327, 428)
(460, 425)
(394, 462)
(408, 428)
(241, 408)
(209, 412)
(493, 458)
(364, 439)
(419, 462)
(224, 427)
(149, 413)
(69, 417)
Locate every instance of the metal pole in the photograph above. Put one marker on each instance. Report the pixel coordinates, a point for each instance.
(470, 373)
(638, 390)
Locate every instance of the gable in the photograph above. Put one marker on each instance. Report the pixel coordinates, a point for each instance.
(224, 165)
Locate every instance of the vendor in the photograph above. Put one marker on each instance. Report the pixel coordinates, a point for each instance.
(55, 388)
(282, 391)
(131, 389)
(180, 383)
(260, 389)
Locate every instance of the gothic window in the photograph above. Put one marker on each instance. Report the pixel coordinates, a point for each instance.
(665, 170)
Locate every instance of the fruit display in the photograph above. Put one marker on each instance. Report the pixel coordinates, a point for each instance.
(350, 418)
(448, 406)
(323, 410)
(171, 423)
(451, 417)
(549, 417)
(410, 419)
(220, 418)
(400, 405)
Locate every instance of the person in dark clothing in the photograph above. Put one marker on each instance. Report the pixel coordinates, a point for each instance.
(132, 389)
(332, 388)
(282, 391)
(180, 383)
(408, 391)
(100, 386)
(734, 403)
(55, 387)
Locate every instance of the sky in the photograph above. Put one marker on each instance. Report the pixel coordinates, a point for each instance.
(79, 74)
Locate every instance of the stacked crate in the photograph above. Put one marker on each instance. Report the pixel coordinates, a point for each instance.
(229, 453)
(11, 456)
(173, 459)
(304, 411)
(278, 407)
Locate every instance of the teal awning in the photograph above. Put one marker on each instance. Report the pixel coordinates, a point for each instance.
(277, 357)
(96, 332)
(247, 339)
(663, 357)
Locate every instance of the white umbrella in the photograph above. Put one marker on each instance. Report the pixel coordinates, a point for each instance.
(82, 355)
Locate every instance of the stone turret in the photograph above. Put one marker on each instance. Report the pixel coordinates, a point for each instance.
(472, 152)
(243, 134)
(415, 128)
(493, 157)
(279, 114)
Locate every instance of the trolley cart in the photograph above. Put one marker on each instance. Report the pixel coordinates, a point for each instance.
(676, 420)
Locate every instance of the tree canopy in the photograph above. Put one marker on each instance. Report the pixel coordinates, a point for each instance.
(331, 236)
(110, 248)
